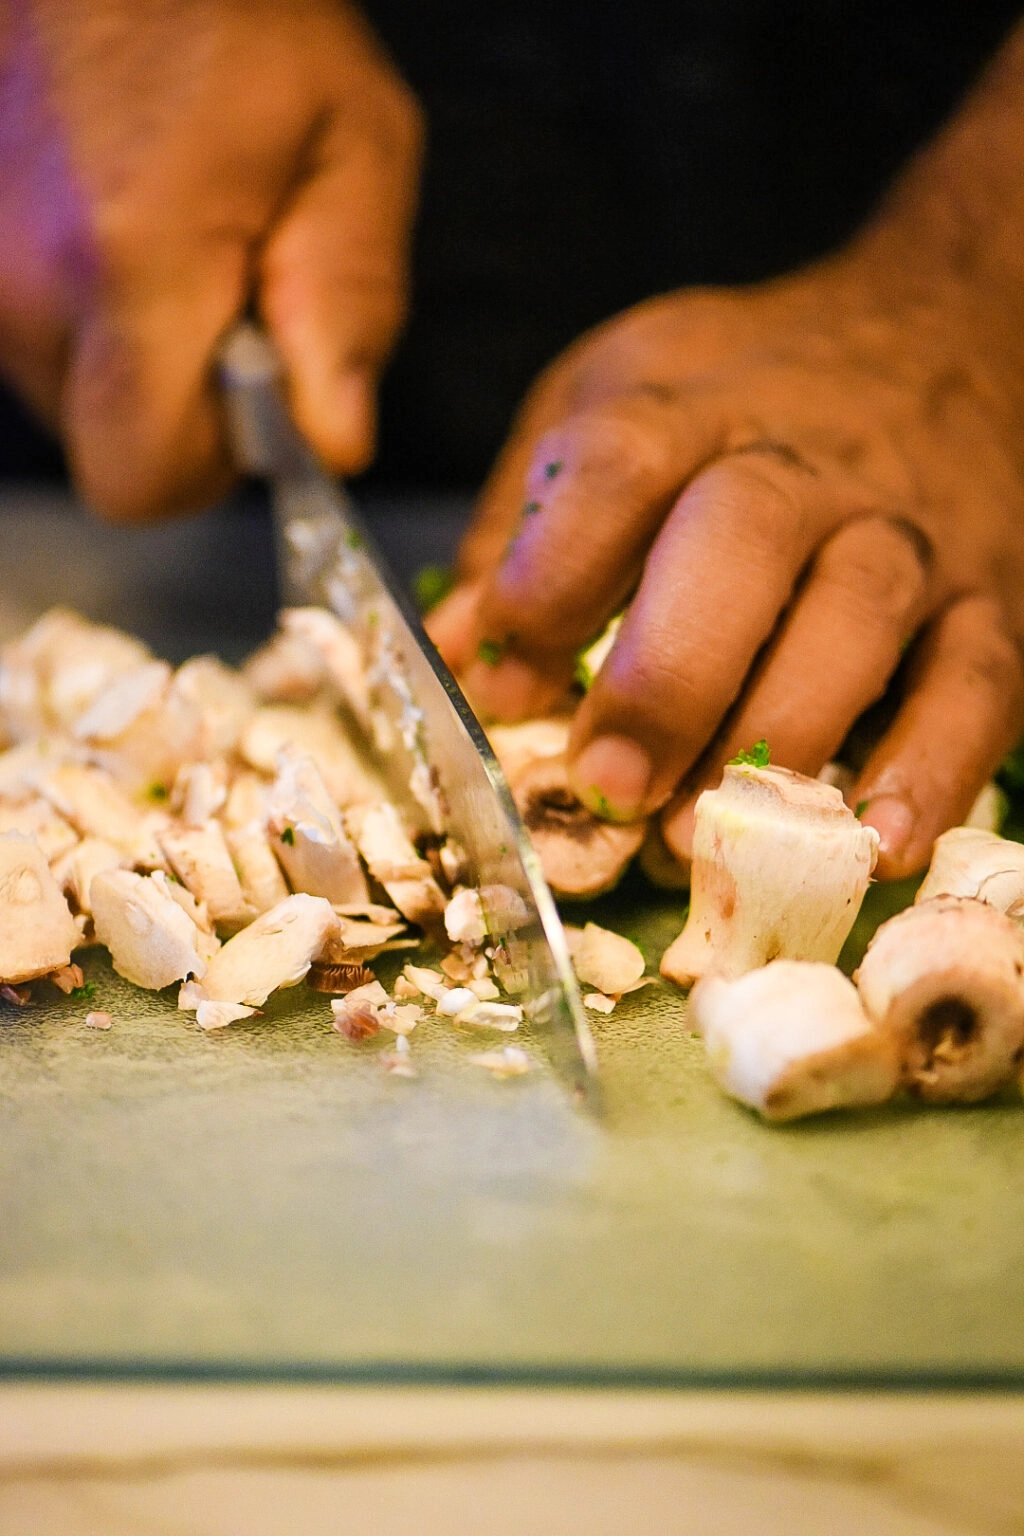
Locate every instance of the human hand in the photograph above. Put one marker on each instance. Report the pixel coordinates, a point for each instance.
(161, 165)
(789, 485)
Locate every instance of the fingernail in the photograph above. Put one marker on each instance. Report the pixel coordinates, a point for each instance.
(893, 819)
(505, 687)
(612, 776)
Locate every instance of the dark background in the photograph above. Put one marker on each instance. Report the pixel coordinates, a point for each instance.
(587, 153)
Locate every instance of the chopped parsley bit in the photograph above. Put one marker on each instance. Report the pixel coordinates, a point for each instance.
(354, 539)
(173, 877)
(758, 756)
(373, 618)
(83, 993)
(157, 792)
(862, 806)
(430, 584)
(489, 652)
(503, 848)
(532, 506)
(601, 801)
(554, 468)
(288, 836)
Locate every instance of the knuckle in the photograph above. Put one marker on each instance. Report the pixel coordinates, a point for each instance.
(620, 450)
(760, 507)
(874, 566)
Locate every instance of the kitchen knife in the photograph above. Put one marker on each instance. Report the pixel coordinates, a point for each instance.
(424, 738)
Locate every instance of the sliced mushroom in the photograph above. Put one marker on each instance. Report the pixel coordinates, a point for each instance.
(221, 699)
(969, 862)
(945, 981)
(52, 673)
(517, 746)
(37, 930)
(581, 855)
(152, 940)
(341, 652)
(780, 868)
(200, 791)
(308, 836)
(392, 860)
(792, 1039)
(141, 729)
(287, 670)
(93, 803)
(275, 951)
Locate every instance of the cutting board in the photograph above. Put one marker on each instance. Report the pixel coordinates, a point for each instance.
(266, 1200)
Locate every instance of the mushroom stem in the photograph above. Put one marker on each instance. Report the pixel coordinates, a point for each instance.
(945, 980)
(968, 861)
(780, 867)
(792, 1039)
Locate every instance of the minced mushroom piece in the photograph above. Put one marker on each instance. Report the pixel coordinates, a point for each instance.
(505, 1017)
(780, 868)
(36, 818)
(99, 1019)
(792, 1039)
(581, 855)
(220, 697)
(316, 733)
(398, 1062)
(392, 860)
(200, 858)
(287, 670)
(967, 861)
(510, 1061)
(605, 960)
(37, 930)
(97, 806)
(339, 978)
(259, 873)
(152, 940)
(75, 870)
(52, 673)
(464, 919)
(211, 1015)
(141, 729)
(945, 980)
(66, 978)
(246, 802)
(200, 790)
(275, 951)
(599, 1002)
(342, 655)
(309, 838)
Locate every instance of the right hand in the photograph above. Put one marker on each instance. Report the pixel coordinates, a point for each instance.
(162, 165)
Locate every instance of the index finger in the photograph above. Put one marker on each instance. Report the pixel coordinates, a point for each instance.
(720, 573)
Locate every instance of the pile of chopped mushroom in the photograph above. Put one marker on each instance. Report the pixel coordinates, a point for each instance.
(222, 830)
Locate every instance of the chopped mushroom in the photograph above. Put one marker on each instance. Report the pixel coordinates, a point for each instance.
(510, 1061)
(792, 1039)
(259, 873)
(581, 855)
(464, 919)
(37, 930)
(392, 860)
(605, 960)
(76, 869)
(969, 862)
(945, 981)
(200, 858)
(36, 818)
(780, 868)
(309, 838)
(275, 951)
(152, 940)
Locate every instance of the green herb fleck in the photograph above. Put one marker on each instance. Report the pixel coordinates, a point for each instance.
(288, 836)
(601, 803)
(431, 584)
(862, 806)
(758, 756)
(83, 993)
(553, 469)
(530, 508)
(489, 652)
(354, 539)
(157, 792)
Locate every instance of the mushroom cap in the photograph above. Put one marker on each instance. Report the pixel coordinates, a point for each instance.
(945, 980)
(970, 861)
(581, 855)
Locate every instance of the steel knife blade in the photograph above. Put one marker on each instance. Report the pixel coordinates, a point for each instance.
(426, 742)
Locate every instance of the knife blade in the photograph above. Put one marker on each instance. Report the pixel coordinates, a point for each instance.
(425, 740)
